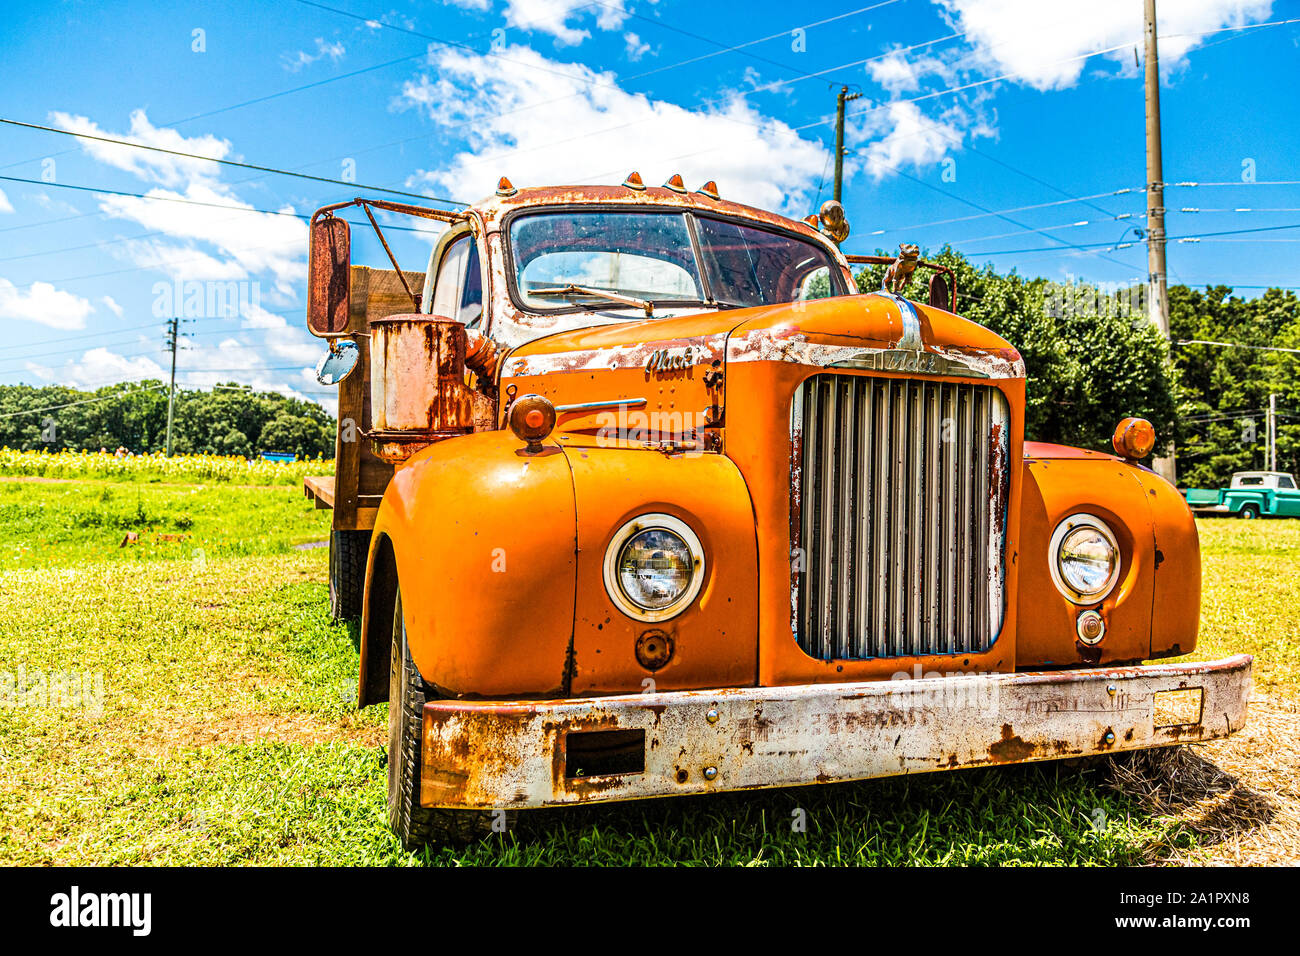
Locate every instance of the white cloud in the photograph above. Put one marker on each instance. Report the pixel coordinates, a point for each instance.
(100, 366)
(43, 304)
(5, 205)
(1031, 38)
(112, 305)
(281, 339)
(899, 73)
(241, 244)
(247, 244)
(541, 121)
(295, 62)
(906, 138)
(480, 5)
(636, 47)
(147, 164)
(553, 16)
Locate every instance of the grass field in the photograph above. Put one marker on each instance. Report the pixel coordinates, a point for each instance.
(226, 731)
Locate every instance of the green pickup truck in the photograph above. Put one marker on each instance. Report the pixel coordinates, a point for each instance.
(1253, 494)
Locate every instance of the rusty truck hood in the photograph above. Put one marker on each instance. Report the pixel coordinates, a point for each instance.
(877, 329)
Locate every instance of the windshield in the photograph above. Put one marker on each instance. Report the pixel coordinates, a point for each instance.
(567, 260)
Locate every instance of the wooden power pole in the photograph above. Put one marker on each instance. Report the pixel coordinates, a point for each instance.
(173, 327)
(1157, 287)
(844, 97)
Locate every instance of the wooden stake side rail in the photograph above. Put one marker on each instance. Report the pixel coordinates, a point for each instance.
(359, 477)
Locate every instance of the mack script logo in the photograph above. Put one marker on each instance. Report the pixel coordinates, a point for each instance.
(75, 909)
(906, 360)
(672, 360)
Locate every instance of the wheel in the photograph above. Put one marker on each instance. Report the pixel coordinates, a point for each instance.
(348, 551)
(1249, 512)
(418, 826)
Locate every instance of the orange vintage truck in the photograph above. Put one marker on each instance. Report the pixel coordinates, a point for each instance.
(638, 496)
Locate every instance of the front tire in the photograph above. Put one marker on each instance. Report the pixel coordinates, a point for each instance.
(418, 826)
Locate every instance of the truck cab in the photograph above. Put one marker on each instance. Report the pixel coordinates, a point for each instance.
(644, 497)
(1255, 494)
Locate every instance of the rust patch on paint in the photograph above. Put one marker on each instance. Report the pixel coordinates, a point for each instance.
(1011, 748)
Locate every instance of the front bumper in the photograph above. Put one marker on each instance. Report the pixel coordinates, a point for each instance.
(487, 754)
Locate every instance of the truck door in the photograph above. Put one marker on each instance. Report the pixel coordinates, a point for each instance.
(1287, 497)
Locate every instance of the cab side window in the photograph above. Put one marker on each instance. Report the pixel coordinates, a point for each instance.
(458, 290)
(1286, 482)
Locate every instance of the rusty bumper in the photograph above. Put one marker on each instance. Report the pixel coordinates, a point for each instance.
(489, 754)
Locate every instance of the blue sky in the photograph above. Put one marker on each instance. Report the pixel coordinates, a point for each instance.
(967, 107)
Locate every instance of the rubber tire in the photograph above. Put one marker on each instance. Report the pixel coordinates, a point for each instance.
(1249, 512)
(348, 553)
(418, 826)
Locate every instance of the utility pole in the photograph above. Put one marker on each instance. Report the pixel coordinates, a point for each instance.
(844, 97)
(1157, 291)
(1272, 431)
(173, 328)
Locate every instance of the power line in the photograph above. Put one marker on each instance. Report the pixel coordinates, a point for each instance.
(78, 335)
(664, 25)
(984, 215)
(188, 202)
(1102, 245)
(1271, 182)
(784, 33)
(87, 401)
(230, 162)
(1237, 345)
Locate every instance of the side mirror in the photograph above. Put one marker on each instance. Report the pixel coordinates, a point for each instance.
(338, 363)
(940, 296)
(329, 277)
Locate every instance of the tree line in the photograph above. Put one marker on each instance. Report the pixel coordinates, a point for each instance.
(222, 421)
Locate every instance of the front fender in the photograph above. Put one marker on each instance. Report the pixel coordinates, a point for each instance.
(482, 538)
(1153, 610)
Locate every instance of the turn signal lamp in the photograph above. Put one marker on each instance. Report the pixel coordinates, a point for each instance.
(531, 418)
(1134, 438)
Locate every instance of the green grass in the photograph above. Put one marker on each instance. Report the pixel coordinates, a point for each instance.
(227, 733)
(66, 523)
(1250, 571)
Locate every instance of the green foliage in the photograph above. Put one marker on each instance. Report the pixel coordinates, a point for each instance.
(1227, 389)
(216, 422)
(1090, 358)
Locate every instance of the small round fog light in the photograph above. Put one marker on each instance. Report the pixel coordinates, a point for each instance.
(1091, 627)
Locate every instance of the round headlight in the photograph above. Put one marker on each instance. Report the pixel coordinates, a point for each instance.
(1085, 559)
(654, 567)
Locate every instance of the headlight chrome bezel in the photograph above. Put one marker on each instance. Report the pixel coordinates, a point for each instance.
(653, 522)
(1069, 525)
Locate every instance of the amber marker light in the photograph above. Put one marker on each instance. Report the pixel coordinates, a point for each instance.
(709, 189)
(633, 181)
(675, 183)
(506, 188)
(1134, 438)
(531, 418)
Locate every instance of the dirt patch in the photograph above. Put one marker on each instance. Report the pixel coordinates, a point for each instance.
(1239, 796)
(303, 729)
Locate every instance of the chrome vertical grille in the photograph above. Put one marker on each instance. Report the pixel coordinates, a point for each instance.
(898, 516)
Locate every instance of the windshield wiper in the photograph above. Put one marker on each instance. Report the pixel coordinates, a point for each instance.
(606, 294)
